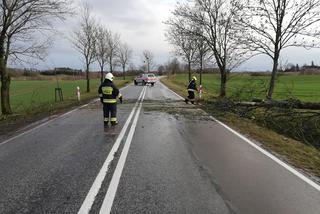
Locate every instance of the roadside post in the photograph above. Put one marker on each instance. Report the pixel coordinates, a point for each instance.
(78, 94)
(200, 94)
(200, 91)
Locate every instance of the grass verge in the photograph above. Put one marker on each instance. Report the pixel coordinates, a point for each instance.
(245, 86)
(296, 153)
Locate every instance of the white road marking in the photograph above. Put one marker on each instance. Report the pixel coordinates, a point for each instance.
(41, 125)
(126, 87)
(51, 120)
(112, 190)
(172, 91)
(274, 158)
(94, 190)
(268, 154)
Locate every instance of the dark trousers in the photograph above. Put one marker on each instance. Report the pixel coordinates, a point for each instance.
(191, 97)
(110, 111)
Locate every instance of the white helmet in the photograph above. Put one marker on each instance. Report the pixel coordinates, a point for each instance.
(109, 76)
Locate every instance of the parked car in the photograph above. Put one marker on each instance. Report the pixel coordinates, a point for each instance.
(145, 79)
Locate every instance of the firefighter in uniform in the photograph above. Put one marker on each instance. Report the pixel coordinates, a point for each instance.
(192, 88)
(108, 96)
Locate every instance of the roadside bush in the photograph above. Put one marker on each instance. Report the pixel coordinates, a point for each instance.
(300, 125)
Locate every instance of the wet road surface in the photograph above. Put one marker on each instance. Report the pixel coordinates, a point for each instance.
(164, 157)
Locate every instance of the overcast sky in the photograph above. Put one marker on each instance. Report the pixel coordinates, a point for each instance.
(140, 24)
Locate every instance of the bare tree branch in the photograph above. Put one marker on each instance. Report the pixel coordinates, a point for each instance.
(125, 54)
(270, 26)
(217, 21)
(148, 58)
(21, 22)
(185, 44)
(102, 48)
(85, 39)
(113, 41)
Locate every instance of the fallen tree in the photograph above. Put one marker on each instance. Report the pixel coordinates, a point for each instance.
(296, 104)
(301, 124)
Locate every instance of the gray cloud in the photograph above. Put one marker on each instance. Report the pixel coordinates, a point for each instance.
(130, 14)
(140, 23)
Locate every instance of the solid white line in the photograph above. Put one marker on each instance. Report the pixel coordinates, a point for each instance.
(51, 120)
(41, 125)
(94, 190)
(274, 158)
(268, 154)
(172, 91)
(109, 198)
(126, 87)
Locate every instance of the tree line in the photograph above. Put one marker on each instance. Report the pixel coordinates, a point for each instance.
(96, 43)
(229, 32)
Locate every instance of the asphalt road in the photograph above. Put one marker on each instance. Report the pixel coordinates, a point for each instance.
(163, 157)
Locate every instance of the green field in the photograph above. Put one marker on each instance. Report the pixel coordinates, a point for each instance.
(28, 95)
(303, 87)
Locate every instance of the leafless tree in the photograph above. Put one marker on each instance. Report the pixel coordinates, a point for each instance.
(216, 18)
(20, 22)
(202, 56)
(85, 39)
(273, 25)
(125, 54)
(172, 66)
(102, 48)
(185, 44)
(148, 59)
(113, 49)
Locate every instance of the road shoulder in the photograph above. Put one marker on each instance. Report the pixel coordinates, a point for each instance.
(305, 159)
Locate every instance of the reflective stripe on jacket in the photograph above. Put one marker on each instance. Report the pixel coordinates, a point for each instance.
(108, 92)
(189, 89)
(109, 101)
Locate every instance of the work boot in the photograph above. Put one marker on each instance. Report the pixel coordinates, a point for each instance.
(106, 121)
(114, 123)
(186, 101)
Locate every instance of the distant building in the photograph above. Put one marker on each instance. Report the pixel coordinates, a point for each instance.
(310, 69)
(305, 69)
